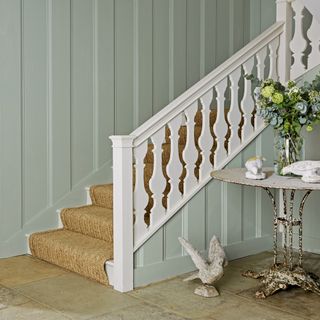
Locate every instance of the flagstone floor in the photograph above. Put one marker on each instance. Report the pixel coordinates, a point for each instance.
(32, 289)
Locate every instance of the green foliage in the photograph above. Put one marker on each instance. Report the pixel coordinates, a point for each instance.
(287, 108)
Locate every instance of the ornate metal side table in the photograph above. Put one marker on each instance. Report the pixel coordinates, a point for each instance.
(288, 272)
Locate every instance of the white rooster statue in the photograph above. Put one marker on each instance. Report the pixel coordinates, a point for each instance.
(210, 270)
(309, 170)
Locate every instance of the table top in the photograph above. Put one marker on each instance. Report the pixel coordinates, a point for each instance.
(237, 176)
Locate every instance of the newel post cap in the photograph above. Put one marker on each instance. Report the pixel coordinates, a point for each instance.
(122, 141)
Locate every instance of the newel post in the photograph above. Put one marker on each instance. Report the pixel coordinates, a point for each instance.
(284, 14)
(122, 213)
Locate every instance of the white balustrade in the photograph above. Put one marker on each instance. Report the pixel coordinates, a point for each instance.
(247, 103)
(298, 43)
(157, 182)
(205, 140)
(190, 152)
(234, 114)
(220, 127)
(273, 69)
(314, 36)
(174, 167)
(140, 196)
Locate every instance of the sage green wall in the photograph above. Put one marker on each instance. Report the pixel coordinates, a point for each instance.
(311, 216)
(73, 72)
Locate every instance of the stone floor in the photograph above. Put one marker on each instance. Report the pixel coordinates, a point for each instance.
(32, 289)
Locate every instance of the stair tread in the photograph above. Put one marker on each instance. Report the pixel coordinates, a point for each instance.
(73, 251)
(90, 220)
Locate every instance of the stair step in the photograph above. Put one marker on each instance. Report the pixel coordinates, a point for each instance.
(101, 195)
(73, 251)
(93, 221)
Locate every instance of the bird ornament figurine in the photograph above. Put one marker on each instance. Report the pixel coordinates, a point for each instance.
(254, 167)
(210, 270)
(309, 170)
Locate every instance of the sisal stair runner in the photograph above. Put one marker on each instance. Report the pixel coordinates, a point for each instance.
(85, 242)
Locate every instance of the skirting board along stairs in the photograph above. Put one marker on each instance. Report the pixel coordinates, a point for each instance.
(85, 242)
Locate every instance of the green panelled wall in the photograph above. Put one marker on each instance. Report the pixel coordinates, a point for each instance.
(73, 72)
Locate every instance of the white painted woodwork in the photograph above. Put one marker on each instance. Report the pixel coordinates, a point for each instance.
(261, 56)
(220, 127)
(247, 103)
(157, 182)
(284, 14)
(174, 167)
(190, 152)
(109, 266)
(122, 212)
(140, 196)
(275, 68)
(298, 43)
(159, 120)
(234, 114)
(314, 37)
(88, 197)
(58, 212)
(205, 140)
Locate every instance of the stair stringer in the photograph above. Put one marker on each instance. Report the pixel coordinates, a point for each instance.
(48, 218)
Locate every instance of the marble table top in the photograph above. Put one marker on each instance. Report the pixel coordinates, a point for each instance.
(237, 176)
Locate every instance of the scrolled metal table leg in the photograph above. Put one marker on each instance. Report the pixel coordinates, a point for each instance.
(275, 225)
(290, 221)
(301, 207)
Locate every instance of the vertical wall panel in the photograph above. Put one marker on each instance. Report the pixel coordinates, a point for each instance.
(10, 118)
(143, 60)
(237, 25)
(223, 31)
(35, 110)
(234, 213)
(104, 68)
(193, 41)
(197, 219)
(214, 210)
(153, 249)
(82, 89)
(179, 45)
(268, 10)
(255, 18)
(160, 54)
(59, 97)
(173, 230)
(123, 66)
(210, 34)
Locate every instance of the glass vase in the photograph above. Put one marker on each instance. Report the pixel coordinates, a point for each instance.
(288, 148)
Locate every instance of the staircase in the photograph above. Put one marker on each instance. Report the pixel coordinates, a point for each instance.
(160, 166)
(85, 242)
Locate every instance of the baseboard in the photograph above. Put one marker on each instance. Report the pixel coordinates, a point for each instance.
(179, 265)
(310, 244)
(48, 218)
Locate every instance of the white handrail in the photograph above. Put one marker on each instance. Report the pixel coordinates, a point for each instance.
(168, 113)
